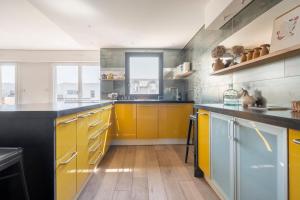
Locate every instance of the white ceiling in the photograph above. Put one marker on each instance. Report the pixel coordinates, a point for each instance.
(95, 24)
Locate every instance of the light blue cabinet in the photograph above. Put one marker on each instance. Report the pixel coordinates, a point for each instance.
(248, 159)
(261, 161)
(222, 155)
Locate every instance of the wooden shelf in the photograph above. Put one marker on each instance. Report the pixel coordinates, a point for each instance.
(112, 79)
(183, 75)
(274, 56)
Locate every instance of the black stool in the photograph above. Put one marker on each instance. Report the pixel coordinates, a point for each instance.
(192, 120)
(11, 165)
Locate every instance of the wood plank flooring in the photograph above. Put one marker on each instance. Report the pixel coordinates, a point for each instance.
(146, 173)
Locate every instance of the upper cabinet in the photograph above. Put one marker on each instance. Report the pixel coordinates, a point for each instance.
(217, 12)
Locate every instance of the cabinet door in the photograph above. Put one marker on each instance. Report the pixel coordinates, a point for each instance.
(203, 142)
(82, 149)
(173, 120)
(222, 167)
(125, 116)
(294, 164)
(261, 161)
(147, 121)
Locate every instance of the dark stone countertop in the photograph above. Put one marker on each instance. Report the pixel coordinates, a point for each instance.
(138, 101)
(282, 118)
(47, 110)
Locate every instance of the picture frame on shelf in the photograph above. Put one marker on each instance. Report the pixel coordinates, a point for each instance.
(286, 30)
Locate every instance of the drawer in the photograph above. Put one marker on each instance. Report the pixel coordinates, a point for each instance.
(66, 178)
(95, 115)
(66, 128)
(106, 114)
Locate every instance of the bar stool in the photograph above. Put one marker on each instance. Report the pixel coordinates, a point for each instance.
(10, 158)
(192, 120)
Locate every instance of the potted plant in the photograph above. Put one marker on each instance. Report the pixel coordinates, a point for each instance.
(217, 53)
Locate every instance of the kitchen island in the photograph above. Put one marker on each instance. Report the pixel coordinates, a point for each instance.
(46, 132)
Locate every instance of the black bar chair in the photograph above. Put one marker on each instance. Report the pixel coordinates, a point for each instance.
(11, 166)
(192, 120)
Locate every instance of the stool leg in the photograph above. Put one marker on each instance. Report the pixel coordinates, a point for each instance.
(188, 141)
(24, 184)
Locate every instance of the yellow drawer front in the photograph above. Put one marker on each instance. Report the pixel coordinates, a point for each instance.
(173, 120)
(294, 165)
(66, 129)
(66, 179)
(82, 149)
(106, 114)
(147, 121)
(203, 142)
(125, 119)
(95, 117)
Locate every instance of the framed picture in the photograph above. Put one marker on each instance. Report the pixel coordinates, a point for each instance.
(286, 30)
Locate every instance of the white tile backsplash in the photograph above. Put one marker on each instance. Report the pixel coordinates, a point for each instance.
(292, 66)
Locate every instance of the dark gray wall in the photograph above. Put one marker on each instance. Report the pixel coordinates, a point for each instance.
(115, 58)
(278, 81)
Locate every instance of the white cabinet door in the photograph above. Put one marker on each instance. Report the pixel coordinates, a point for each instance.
(261, 161)
(222, 164)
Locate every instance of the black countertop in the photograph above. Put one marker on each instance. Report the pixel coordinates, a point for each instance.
(47, 110)
(138, 101)
(283, 118)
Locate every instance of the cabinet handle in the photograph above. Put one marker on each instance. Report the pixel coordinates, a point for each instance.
(74, 154)
(69, 121)
(94, 112)
(296, 141)
(84, 116)
(95, 135)
(202, 113)
(97, 159)
(95, 147)
(92, 125)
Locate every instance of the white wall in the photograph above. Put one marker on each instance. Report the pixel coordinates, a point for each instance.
(35, 71)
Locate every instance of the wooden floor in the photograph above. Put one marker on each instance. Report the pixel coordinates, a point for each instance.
(146, 173)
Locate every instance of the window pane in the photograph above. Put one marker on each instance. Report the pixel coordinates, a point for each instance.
(66, 82)
(8, 86)
(144, 75)
(91, 82)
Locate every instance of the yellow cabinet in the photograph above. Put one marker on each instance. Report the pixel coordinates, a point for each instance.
(147, 121)
(203, 142)
(125, 119)
(66, 154)
(173, 120)
(82, 149)
(294, 164)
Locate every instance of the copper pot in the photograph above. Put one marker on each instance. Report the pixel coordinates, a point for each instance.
(218, 64)
(256, 52)
(264, 49)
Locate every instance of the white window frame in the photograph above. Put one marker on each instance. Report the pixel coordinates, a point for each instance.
(79, 78)
(16, 80)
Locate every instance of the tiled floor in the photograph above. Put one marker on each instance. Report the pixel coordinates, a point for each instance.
(146, 173)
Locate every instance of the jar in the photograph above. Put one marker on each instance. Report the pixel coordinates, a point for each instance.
(250, 55)
(264, 49)
(244, 57)
(256, 53)
(231, 96)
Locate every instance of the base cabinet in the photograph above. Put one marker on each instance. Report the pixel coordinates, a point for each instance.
(294, 164)
(248, 159)
(125, 119)
(147, 121)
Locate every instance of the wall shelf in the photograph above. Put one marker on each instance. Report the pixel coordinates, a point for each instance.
(272, 57)
(183, 75)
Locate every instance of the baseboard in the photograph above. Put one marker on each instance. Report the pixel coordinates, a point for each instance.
(214, 188)
(148, 141)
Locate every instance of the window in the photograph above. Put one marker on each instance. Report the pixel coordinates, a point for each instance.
(77, 82)
(144, 74)
(8, 83)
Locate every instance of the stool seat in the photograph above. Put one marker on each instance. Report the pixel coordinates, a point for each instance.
(9, 156)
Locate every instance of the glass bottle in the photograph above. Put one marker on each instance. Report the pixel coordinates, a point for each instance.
(231, 96)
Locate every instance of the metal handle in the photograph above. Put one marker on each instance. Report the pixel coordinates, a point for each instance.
(97, 159)
(74, 154)
(95, 124)
(84, 116)
(95, 148)
(94, 112)
(95, 135)
(296, 141)
(229, 130)
(202, 113)
(69, 121)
